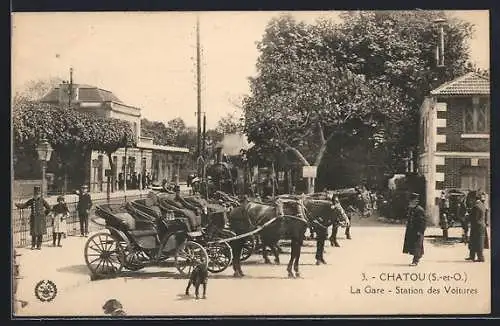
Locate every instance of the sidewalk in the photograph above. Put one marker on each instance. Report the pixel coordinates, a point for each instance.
(65, 266)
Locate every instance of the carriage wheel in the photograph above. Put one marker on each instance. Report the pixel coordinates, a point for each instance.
(248, 248)
(220, 256)
(103, 254)
(133, 259)
(188, 256)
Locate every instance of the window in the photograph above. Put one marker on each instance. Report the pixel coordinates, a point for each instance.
(476, 117)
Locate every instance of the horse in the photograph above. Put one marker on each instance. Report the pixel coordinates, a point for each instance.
(249, 215)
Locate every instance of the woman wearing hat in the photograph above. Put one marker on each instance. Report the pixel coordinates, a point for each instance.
(415, 228)
(39, 210)
(61, 213)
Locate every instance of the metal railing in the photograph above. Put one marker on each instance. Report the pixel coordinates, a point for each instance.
(21, 228)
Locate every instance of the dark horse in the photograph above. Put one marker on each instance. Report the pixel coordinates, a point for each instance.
(249, 215)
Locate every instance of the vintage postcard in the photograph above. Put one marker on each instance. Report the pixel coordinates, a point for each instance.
(250, 163)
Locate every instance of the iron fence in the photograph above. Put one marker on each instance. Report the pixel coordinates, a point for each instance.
(21, 229)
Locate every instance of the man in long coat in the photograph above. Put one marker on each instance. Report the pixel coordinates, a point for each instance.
(415, 229)
(477, 219)
(39, 210)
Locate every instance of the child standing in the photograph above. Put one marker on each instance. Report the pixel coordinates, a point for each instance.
(61, 213)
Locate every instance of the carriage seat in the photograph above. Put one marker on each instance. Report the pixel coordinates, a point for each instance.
(143, 233)
(127, 219)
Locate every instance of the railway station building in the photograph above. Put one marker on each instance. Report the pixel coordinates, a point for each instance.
(161, 162)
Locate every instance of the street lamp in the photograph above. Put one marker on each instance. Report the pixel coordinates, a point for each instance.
(44, 151)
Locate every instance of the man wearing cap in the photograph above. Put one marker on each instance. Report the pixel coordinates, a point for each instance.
(39, 210)
(415, 228)
(83, 208)
(477, 218)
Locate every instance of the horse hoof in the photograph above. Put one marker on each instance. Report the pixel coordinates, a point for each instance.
(297, 275)
(337, 245)
(277, 262)
(267, 262)
(290, 275)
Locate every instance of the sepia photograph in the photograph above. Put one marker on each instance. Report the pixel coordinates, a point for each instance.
(253, 163)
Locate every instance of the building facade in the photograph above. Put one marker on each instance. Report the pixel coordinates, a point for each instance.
(160, 162)
(455, 138)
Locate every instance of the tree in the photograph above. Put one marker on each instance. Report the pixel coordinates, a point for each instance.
(68, 131)
(229, 124)
(398, 47)
(363, 80)
(161, 134)
(301, 99)
(34, 90)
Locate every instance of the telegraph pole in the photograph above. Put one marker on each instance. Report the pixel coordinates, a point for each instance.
(204, 132)
(198, 79)
(70, 89)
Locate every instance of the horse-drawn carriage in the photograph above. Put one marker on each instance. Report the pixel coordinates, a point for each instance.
(140, 235)
(454, 209)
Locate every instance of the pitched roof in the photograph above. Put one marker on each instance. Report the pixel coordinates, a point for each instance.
(86, 93)
(469, 84)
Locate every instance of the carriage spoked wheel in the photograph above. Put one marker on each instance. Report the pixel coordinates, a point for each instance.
(133, 258)
(220, 256)
(188, 256)
(248, 248)
(103, 254)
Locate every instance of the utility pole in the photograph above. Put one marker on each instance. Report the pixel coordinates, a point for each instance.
(198, 79)
(70, 88)
(204, 132)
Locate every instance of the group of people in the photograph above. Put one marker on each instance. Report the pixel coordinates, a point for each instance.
(135, 180)
(416, 226)
(57, 216)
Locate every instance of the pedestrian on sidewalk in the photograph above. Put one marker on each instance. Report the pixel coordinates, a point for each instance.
(83, 208)
(60, 212)
(477, 218)
(39, 210)
(415, 229)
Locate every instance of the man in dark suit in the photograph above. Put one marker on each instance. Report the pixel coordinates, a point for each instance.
(477, 219)
(415, 229)
(83, 208)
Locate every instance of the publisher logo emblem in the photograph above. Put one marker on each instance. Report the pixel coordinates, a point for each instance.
(45, 290)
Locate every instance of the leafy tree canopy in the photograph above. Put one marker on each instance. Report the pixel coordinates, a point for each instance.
(364, 78)
(67, 129)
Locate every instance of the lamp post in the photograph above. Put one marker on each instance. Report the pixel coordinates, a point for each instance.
(44, 151)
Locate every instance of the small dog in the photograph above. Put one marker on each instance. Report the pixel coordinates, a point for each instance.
(198, 276)
(113, 307)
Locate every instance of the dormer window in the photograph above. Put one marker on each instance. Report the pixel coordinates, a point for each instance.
(476, 117)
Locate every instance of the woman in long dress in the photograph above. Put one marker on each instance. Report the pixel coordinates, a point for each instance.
(60, 212)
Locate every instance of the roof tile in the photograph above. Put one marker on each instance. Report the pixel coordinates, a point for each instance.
(469, 84)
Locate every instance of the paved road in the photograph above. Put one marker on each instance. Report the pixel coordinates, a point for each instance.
(375, 251)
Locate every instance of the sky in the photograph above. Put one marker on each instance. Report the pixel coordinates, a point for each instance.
(148, 60)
